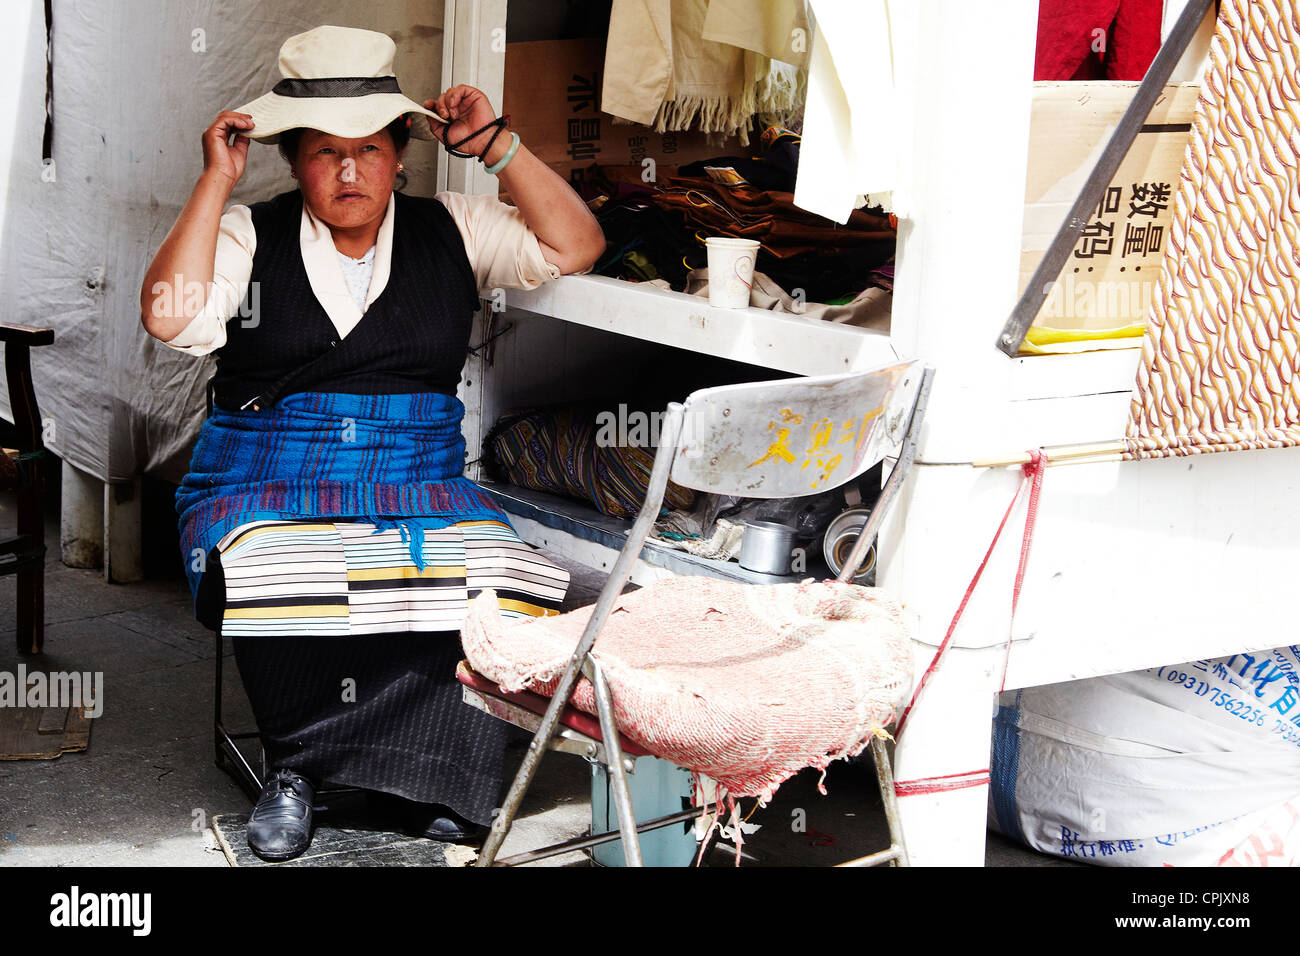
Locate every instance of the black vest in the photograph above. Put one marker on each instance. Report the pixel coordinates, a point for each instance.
(413, 338)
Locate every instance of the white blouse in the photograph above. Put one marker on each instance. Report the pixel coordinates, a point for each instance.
(356, 275)
(503, 252)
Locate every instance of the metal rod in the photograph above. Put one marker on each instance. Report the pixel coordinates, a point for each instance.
(888, 796)
(875, 859)
(614, 763)
(670, 437)
(906, 456)
(1049, 269)
(1077, 454)
(581, 843)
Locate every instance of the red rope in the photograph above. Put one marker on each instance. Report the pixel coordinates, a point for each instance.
(1033, 472)
(949, 781)
(1032, 475)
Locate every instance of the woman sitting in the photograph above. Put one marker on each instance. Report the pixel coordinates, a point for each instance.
(325, 518)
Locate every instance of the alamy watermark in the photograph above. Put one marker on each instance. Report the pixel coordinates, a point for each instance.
(630, 428)
(75, 908)
(1098, 299)
(180, 297)
(57, 689)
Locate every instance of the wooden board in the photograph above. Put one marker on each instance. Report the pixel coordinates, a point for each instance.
(42, 733)
(343, 845)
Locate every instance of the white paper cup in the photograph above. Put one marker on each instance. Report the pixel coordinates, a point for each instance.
(731, 271)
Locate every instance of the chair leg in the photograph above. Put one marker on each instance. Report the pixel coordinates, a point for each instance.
(228, 756)
(885, 777)
(31, 583)
(614, 758)
(537, 748)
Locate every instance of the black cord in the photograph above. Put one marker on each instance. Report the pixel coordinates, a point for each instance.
(47, 141)
(499, 123)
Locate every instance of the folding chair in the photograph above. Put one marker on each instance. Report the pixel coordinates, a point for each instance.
(733, 440)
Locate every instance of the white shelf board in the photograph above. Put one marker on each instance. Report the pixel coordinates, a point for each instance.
(1037, 377)
(777, 340)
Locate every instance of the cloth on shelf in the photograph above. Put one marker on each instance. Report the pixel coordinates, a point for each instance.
(563, 451)
(746, 684)
(870, 309)
(638, 232)
(676, 530)
(768, 215)
(658, 230)
(1070, 48)
(660, 71)
(775, 169)
(883, 276)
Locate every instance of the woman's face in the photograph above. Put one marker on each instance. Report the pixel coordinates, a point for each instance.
(346, 182)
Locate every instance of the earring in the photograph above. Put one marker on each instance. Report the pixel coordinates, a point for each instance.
(400, 167)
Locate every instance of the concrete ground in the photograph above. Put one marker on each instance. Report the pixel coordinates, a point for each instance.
(146, 790)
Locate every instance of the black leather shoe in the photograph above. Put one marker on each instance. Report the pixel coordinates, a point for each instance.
(431, 820)
(279, 827)
(444, 824)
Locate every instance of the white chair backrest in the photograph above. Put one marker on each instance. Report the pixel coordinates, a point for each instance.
(793, 437)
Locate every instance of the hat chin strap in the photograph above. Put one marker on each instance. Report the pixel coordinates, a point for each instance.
(334, 87)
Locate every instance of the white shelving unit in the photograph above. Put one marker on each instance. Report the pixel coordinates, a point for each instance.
(778, 340)
(554, 338)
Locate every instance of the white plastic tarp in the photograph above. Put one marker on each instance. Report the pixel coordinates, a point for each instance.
(135, 84)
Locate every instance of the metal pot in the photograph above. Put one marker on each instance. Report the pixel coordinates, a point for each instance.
(767, 547)
(841, 536)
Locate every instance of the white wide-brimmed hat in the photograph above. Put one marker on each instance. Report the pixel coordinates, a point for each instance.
(338, 80)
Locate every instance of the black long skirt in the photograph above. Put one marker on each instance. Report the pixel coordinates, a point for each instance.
(379, 712)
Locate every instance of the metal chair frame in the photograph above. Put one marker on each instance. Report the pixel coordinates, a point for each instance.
(700, 448)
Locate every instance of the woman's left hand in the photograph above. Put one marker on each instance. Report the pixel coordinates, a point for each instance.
(467, 110)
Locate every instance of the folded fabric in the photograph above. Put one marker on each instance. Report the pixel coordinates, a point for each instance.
(722, 544)
(769, 216)
(637, 232)
(746, 684)
(775, 169)
(660, 71)
(870, 309)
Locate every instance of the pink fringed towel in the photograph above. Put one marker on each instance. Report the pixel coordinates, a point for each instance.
(748, 685)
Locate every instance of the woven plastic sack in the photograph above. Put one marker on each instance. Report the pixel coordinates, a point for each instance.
(746, 684)
(1192, 764)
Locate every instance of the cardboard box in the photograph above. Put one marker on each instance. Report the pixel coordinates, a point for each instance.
(552, 93)
(1106, 287)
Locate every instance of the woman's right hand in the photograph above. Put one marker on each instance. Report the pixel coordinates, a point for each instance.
(218, 156)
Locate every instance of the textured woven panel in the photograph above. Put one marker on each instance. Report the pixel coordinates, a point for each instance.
(1219, 365)
(746, 684)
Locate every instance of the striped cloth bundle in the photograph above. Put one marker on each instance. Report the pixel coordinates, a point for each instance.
(345, 579)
